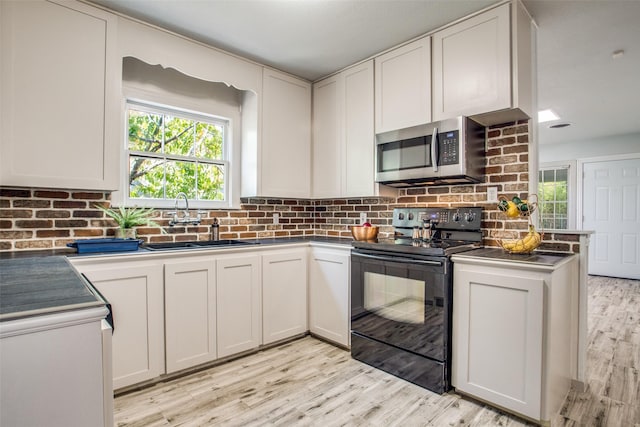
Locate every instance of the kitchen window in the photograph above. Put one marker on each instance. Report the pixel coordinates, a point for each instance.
(171, 150)
(555, 187)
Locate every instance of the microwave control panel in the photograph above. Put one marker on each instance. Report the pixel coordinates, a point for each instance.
(449, 152)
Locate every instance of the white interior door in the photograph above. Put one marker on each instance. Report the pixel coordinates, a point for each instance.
(611, 207)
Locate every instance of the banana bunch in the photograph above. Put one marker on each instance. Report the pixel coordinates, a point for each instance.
(526, 244)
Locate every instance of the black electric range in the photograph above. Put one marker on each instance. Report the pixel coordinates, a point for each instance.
(402, 293)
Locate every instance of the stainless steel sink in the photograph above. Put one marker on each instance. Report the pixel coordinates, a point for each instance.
(196, 244)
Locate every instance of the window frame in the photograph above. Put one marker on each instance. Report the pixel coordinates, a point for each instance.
(160, 108)
(570, 166)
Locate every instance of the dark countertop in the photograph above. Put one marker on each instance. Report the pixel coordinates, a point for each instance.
(312, 239)
(43, 281)
(32, 286)
(550, 259)
(69, 252)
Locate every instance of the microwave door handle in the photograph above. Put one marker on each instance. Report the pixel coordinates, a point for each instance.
(434, 149)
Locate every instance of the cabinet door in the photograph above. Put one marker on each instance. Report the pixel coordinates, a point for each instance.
(135, 294)
(52, 367)
(497, 337)
(329, 295)
(472, 66)
(59, 107)
(286, 136)
(190, 313)
(284, 295)
(403, 86)
(359, 138)
(239, 297)
(327, 137)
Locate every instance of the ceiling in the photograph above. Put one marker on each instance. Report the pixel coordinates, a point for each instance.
(577, 76)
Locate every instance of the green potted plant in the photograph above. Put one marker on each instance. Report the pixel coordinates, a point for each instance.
(127, 218)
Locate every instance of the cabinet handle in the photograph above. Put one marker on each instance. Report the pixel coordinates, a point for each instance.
(285, 260)
(237, 266)
(328, 260)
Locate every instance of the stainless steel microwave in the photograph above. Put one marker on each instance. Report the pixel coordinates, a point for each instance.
(441, 153)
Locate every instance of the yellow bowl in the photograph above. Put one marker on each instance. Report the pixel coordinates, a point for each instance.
(364, 233)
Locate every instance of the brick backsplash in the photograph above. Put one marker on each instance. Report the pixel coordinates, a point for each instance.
(44, 219)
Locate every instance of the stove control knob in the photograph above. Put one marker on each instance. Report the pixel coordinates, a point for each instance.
(456, 217)
(401, 216)
(410, 216)
(469, 217)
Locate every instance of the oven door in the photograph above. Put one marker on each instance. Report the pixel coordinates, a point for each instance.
(402, 301)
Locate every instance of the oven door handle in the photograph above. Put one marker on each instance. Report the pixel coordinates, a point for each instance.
(385, 258)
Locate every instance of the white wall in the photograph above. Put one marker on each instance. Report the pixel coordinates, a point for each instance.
(607, 146)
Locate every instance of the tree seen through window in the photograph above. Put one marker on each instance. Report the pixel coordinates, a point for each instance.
(170, 153)
(553, 201)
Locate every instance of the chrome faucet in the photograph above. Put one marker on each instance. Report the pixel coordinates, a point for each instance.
(186, 203)
(186, 218)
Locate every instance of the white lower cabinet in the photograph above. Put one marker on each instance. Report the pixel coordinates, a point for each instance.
(190, 312)
(512, 339)
(239, 309)
(284, 294)
(135, 292)
(176, 312)
(52, 369)
(329, 294)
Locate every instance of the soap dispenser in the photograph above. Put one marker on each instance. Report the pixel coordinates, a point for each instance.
(215, 230)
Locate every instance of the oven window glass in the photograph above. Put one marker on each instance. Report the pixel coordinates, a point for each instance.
(406, 154)
(395, 298)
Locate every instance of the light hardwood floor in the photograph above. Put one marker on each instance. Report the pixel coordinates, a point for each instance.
(311, 383)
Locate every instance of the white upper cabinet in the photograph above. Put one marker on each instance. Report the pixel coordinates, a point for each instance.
(403, 86)
(482, 67)
(59, 108)
(327, 137)
(285, 150)
(359, 137)
(343, 135)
